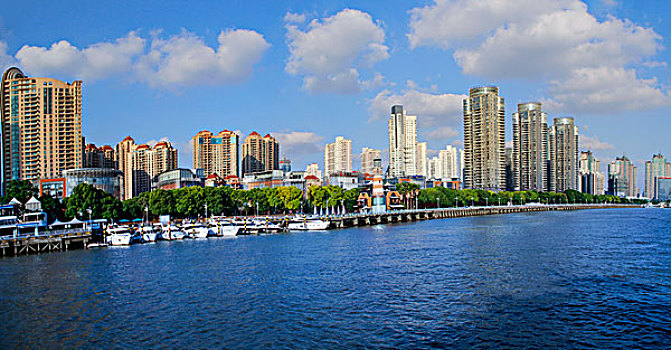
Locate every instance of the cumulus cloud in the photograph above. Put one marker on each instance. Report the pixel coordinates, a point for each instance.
(442, 133)
(185, 59)
(329, 53)
(604, 90)
(299, 143)
(179, 60)
(593, 143)
(96, 61)
(430, 109)
(556, 41)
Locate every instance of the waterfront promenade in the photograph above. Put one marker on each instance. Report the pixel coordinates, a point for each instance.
(60, 241)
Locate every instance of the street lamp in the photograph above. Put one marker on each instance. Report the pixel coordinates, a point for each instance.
(486, 201)
(437, 203)
(499, 201)
(146, 210)
(456, 204)
(257, 208)
(472, 203)
(205, 212)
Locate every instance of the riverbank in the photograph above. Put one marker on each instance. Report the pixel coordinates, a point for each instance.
(45, 243)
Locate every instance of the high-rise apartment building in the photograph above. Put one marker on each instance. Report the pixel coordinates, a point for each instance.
(510, 178)
(622, 178)
(433, 169)
(421, 158)
(368, 156)
(484, 139)
(260, 153)
(654, 169)
(591, 179)
(149, 162)
(124, 161)
(41, 126)
(402, 143)
(141, 164)
(99, 157)
(338, 156)
(563, 155)
(448, 163)
(530, 147)
(216, 154)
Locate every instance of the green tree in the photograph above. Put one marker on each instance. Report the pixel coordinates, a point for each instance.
(22, 190)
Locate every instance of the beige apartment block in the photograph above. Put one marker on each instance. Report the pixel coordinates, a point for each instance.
(216, 154)
(41, 126)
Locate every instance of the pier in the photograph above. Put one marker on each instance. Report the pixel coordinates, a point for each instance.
(355, 220)
(44, 243)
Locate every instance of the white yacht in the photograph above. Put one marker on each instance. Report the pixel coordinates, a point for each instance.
(148, 234)
(267, 226)
(226, 228)
(170, 233)
(307, 224)
(247, 226)
(197, 231)
(119, 236)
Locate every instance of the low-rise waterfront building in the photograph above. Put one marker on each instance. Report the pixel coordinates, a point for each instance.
(177, 178)
(346, 180)
(108, 180)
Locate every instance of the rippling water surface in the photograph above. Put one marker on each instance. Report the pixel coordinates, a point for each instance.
(598, 278)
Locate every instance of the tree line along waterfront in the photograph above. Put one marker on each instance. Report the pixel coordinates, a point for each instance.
(196, 202)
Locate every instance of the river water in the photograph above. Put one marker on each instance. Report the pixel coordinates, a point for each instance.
(580, 279)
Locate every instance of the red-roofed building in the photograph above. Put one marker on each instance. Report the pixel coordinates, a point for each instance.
(260, 153)
(216, 154)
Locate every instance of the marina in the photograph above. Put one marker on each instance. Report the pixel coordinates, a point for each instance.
(94, 233)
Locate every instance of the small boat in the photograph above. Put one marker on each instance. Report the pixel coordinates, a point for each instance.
(197, 231)
(148, 234)
(170, 233)
(119, 236)
(308, 224)
(97, 245)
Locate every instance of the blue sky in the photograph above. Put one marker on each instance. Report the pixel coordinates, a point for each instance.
(307, 71)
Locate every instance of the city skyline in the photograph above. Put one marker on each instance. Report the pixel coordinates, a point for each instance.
(429, 72)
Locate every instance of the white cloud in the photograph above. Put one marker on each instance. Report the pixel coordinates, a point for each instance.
(96, 61)
(330, 51)
(555, 41)
(592, 143)
(449, 22)
(554, 44)
(185, 59)
(6, 60)
(298, 143)
(442, 133)
(606, 90)
(430, 109)
(291, 17)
